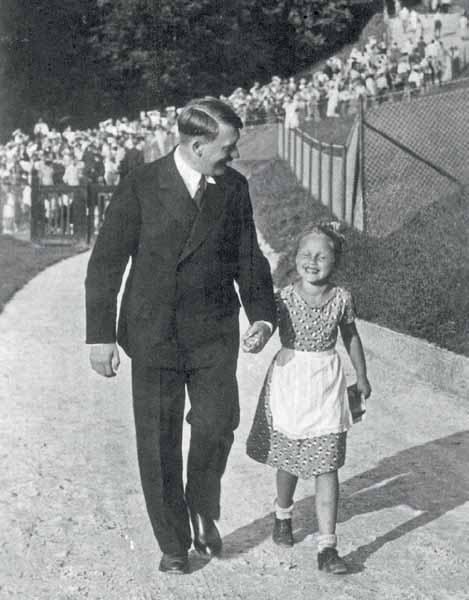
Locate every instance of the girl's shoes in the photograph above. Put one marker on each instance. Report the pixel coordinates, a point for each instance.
(282, 534)
(330, 562)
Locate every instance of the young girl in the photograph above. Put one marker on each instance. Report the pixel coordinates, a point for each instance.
(303, 415)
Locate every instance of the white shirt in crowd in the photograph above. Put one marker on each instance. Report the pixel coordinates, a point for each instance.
(72, 174)
(416, 77)
(41, 128)
(291, 114)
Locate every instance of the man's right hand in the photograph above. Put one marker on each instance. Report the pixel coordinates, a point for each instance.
(104, 359)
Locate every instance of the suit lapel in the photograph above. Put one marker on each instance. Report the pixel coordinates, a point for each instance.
(213, 204)
(173, 194)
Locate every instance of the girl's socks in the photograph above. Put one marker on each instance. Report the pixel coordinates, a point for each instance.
(327, 540)
(283, 513)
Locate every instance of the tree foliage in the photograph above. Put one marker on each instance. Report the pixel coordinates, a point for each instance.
(178, 48)
(46, 55)
(96, 58)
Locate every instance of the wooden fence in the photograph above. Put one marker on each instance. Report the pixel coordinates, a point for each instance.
(330, 173)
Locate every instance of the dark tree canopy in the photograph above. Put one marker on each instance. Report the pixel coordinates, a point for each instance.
(179, 48)
(47, 62)
(90, 59)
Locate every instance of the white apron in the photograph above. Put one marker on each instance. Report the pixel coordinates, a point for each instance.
(308, 394)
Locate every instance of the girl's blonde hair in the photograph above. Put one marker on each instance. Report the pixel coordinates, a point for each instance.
(332, 229)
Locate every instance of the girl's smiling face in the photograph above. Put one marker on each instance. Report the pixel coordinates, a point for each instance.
(315, 259)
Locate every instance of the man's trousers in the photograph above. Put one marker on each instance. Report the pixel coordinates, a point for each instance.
(158, 398)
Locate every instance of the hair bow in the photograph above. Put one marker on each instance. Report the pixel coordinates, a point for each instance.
(335, 227)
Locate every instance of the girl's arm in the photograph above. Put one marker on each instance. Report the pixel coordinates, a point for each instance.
(353, 345)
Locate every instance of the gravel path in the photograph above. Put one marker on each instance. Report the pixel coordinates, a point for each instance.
(73, 521)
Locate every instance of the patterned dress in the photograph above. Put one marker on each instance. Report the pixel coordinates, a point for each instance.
(306, 435)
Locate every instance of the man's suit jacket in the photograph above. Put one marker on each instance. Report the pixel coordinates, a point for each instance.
(180, 296)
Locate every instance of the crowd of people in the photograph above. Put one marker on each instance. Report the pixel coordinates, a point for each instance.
(372, 73)
(102, 155)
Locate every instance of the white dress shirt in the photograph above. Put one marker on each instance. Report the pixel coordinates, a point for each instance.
(191, 179)
(189, 175)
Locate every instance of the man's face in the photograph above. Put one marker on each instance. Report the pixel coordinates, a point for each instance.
(215, 155)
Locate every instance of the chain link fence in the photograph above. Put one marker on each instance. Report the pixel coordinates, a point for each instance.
(403, 154)
(414, 154)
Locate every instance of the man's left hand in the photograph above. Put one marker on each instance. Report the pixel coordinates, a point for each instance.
(256, 337)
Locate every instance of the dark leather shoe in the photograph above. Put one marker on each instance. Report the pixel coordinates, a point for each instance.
(330, 562)
(207, 540)
(282, 533)
(176, 564)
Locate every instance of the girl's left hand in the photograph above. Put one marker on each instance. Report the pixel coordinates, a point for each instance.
(363, 386)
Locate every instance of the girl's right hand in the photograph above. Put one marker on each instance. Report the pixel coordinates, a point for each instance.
(256, 337)
(363, 387)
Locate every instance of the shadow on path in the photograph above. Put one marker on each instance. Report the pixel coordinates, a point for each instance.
(431, 478)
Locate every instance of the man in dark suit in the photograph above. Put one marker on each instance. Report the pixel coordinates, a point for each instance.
(133, 157)
(186, 223)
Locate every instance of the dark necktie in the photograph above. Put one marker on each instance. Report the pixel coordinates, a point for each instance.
(200, 191)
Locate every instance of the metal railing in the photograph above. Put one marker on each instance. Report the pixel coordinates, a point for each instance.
(68, 214)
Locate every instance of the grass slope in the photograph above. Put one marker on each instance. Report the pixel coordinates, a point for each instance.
(414, 281)
(21, 261)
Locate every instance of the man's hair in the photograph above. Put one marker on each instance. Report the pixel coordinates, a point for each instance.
(202, 118)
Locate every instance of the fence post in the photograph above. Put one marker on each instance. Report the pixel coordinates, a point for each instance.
(320, 173)
(295, 137)
(2, 201)
(302, 169)
(279, 146)
(37, 209)
(344, 182)
(291, 156)
(281, 136)
(277, 139)
(361, 159)
(91, 202)
(80, 221)
(285, 141)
